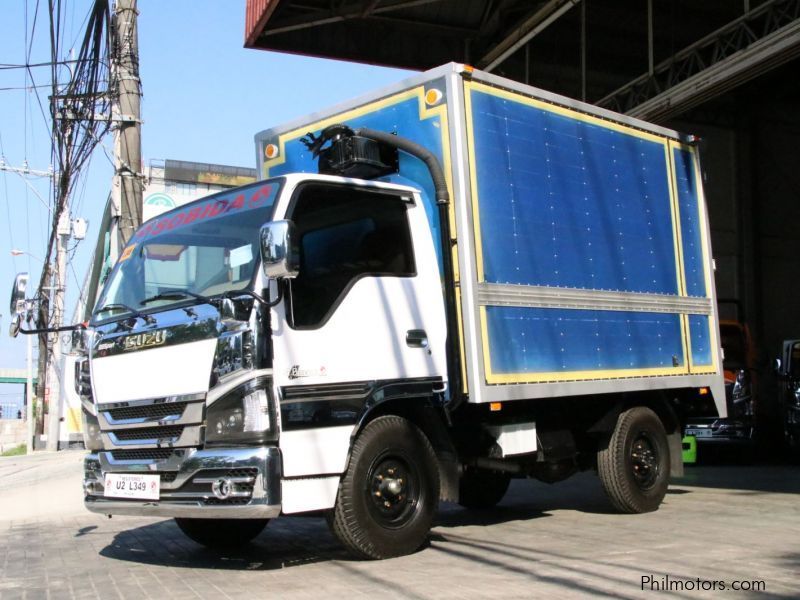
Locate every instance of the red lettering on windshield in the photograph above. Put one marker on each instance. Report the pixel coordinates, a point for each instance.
(207, 210)
(260, 196)
(237, 203)
(216, 208)
(192, 216)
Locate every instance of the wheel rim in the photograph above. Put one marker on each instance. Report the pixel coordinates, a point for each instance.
(392, 490)
(644, 461)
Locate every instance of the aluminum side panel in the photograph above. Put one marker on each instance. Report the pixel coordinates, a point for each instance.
(614, 238)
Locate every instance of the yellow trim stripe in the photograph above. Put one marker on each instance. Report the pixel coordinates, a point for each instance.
(695, 369)
(677, 240)
(473, 180)
(706, 258)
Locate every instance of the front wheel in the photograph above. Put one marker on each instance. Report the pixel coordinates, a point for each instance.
(634, 467)
(221, 533)
(388, 495)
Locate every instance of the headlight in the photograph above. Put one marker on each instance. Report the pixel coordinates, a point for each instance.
(92, 440)
(246, 415)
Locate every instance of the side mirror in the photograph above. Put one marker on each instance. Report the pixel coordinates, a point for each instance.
(18, 294)
(776, 365)
(279, 255)
(13, 328)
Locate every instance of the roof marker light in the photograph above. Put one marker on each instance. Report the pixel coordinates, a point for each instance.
(433, 96)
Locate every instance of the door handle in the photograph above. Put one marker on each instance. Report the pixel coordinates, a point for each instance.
(417, 338)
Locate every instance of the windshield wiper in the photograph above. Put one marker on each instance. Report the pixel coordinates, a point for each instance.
(252, 294)
(133, 311)
(176, 295)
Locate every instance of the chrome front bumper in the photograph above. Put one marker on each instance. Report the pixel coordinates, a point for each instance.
(186, 483)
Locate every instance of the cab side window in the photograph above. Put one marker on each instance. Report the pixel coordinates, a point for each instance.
(345, 234)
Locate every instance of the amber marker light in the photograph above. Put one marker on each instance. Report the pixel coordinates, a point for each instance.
(704, 391)
(270, 151)
(433, 96)
(495, 406)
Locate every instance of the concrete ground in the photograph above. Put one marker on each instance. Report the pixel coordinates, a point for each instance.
(721, 523)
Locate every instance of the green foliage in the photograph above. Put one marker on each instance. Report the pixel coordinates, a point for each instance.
(18, 451)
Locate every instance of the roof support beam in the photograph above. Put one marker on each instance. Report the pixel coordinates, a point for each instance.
(532, 26)
(762, 39)
(759, 58)
(346, 14)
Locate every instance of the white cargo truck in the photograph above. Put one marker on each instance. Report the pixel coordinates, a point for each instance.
(444, 285)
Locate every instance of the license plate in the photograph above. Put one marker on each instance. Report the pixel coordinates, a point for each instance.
(700, 433)
(132, 485)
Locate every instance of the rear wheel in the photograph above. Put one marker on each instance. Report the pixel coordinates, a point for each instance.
(222, 533)
(389, 494)
(634, 466)
(482, 489)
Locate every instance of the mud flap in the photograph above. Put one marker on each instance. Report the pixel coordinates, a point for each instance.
(674, 440)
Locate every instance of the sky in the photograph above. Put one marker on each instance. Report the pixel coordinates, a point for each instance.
(204, 98)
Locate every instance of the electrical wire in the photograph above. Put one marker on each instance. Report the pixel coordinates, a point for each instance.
(76, 130)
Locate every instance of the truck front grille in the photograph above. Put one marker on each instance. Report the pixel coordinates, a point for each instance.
(176, 421)
(153, 412)
(142, 454)
(170, 433)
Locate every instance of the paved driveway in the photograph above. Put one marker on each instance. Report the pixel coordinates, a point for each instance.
(719, 525)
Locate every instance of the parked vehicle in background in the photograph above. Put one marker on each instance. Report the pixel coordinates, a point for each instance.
(741, 392)
(788, 372)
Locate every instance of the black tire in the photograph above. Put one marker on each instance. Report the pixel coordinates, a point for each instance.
(222, 533)
(389, 494)
(634, 467)
(482, 489)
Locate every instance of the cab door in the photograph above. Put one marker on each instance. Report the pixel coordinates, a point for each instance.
(366, 309)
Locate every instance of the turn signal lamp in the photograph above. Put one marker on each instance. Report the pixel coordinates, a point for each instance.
(433, 96)
(271, 151)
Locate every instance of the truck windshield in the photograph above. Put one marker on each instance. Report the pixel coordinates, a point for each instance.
(201, 250)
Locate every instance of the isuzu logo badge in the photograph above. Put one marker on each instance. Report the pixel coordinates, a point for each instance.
(145, 340)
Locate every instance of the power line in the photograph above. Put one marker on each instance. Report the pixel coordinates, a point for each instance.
(9, 66)
(24, 88)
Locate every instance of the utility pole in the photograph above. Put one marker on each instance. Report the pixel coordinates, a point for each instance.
(54, 375)
(29, 396)
(126, 191)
